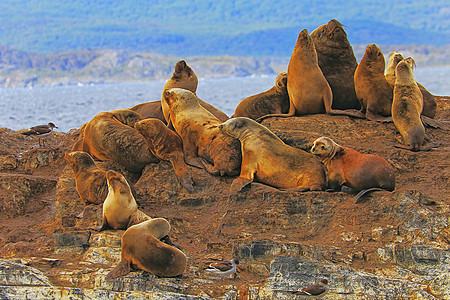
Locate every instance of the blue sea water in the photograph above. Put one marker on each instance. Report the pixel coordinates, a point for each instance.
(71, 106)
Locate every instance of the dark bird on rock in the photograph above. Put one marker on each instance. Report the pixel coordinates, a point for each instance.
(318, 289)
(223, 268)
(41, 131)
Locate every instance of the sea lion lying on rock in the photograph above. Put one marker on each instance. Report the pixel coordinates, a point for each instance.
(347, 167)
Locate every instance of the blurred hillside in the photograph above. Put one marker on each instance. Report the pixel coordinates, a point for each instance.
(204, 27)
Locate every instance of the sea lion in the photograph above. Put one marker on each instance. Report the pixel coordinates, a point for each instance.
(110, 136)
(338, 63)
(142, 249)
(272, 101)
(198, 129)
(120, 208)
(429, 103)
(309, 91)
(347, 167)
(407, 108)
(267, 159)
(166, 145)
(372, 89)
(149, 110)
(90, 180)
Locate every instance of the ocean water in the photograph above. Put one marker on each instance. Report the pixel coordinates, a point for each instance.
(71, 106)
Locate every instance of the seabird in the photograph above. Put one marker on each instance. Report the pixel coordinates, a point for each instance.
(316, 290)
(223, 268)
(41, 131)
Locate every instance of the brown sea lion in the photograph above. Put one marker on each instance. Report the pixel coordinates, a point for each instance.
(309, 91)
(120, 209)
(337, 62)
(165, 144)
(272, 101)
(347, 167)
(142, 249)
(198, 129)
(429, 103)
(373, 91)
(110, 136)
(407, 108)
(267, 159)
(90, 180)
(151, 109)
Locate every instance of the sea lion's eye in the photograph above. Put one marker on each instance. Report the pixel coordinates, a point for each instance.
(322, 33)
(322, 147)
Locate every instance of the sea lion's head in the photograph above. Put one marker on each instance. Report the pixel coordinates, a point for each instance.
(126, 116)
(324, 147)
(331, 35)
(374, 59)
(177, 96)
(281, 82)
(235, 127)
(117, 184)
(78, 159)
(404, 71)
(149, 127)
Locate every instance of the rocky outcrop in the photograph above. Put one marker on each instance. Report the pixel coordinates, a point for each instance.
(391, 245)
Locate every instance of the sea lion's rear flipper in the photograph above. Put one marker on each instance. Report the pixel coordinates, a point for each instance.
(430, 146)
(363, 192)
(348, 112)
(123, 268)
(104, 225)
(238, 184)
(260, 119)
(137, 217)
(429, 122)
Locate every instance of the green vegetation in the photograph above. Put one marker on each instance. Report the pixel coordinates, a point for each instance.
(206, 27)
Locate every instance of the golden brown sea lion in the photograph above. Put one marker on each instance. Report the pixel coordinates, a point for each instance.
(90, 180)
(309, 91)
(360, 172)
(373, 91)
(337, 62)
(151, 109)
(165, 144)
(267, 159)
(110, 136)
(272, 101)
(407, 108)
(120, 209)
(142, 249)
(429, 103)
(198, 128)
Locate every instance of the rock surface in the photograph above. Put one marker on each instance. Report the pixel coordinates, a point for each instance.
(392, 245)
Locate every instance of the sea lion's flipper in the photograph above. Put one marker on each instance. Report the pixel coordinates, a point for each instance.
(104, 225)
(378, 118)
(363, 192)
(397, 145)
(430, 146)
(348, 112)
(275, 115)
(194, 161)
(187, 182)
(429, 122)
(137, 217)
(123, 268)
(238, 184)
(182, 172)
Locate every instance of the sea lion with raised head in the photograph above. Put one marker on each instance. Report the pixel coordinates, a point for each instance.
(203, 144)
(429, 103)
(120, 209)
(110, 136)
(143, 249)
(338, 63)
(372, 89)
(167, 145)
(347, 167)
(272, 101)
(267, 159)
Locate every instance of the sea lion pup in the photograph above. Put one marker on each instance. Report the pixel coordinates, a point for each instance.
(360, 172)
(90, 180)
(120, 208)
(337, 62)
(203, 144)
(272, 101)
(142, 249)
(372, 89)
(267, 159)
(166, 145)
(111, 136)
(429, 103)
(309, 91)
(407, 108)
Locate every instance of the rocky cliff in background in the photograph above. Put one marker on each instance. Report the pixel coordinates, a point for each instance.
(392, 245)
(24, 69)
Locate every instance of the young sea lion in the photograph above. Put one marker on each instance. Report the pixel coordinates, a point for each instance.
(142, 249)
(267, 159)
(360, 172)
(220, 154)
(372, 88)
(337, 62)
(272, 101)
(165, 144)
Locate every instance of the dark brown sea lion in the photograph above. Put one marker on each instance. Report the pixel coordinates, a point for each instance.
(337, 62)
(272, 101)
(360, 172)
(198, 128)
(110, 136)
(267, 159)
(142, 249)
(372, 89)
(165, 144)
(429, 103)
